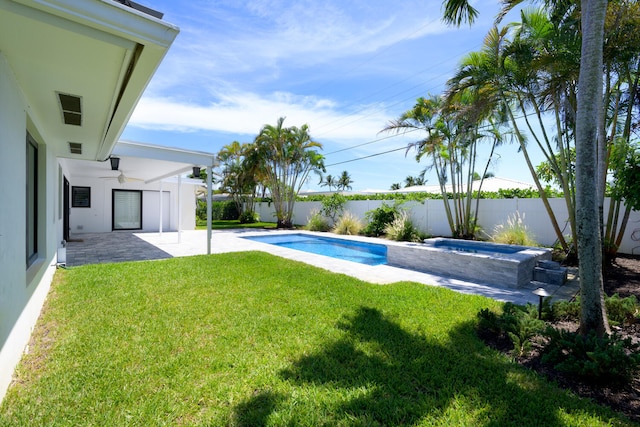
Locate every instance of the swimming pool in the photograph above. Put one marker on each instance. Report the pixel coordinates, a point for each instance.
(486, 262)
(350, 250)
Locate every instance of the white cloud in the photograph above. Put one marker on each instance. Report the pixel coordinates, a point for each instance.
(246, 113)
(228, 40)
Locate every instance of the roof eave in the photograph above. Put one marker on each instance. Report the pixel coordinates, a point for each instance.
(151, 37)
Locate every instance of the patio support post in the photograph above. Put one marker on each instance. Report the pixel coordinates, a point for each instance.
(179, 208)
(209, 185)
(160, 227)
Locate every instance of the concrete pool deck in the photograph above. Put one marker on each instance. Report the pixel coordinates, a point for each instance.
(91, 248)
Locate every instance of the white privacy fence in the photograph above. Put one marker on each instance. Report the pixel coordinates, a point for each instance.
(430, 217)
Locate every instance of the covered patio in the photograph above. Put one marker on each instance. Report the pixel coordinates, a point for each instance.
(141, 188)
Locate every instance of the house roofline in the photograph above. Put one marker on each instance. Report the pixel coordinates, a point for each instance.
(141, 8)
(111, 17)
(159, 152)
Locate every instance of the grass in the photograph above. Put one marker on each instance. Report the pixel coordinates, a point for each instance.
(249, 339)
(226, 224)
(515, 232)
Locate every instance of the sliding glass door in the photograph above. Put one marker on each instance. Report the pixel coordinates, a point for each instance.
(127, 210)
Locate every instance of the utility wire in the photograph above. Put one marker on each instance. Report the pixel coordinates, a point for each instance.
(366, 157)
(371, 142)
(397, 149)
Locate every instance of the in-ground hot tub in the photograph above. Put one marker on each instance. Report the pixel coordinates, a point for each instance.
(493, 263)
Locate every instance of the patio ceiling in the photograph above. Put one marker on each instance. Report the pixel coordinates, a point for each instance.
(100, 52)
(145, 162)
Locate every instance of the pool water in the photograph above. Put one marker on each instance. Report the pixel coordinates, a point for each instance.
(364, 253)
(478, 247)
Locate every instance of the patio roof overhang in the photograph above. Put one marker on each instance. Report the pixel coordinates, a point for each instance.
(95, 56)
(146, 162)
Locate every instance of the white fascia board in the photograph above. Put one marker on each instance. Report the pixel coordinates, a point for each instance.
(171, 154)
(44, 16)
(110, 17)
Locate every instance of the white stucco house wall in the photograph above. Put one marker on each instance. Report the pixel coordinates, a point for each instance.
(99, 196)
(71, 73)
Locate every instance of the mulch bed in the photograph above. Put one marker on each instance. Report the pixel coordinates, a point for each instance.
(622, 278)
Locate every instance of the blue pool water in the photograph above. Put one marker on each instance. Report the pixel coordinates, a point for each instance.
(476, 247)
(364, 253)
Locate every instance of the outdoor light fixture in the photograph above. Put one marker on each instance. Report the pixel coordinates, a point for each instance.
(115, 163)
(196, 171)
(541, 292)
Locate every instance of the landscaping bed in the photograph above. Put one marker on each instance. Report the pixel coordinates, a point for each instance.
(622, 278)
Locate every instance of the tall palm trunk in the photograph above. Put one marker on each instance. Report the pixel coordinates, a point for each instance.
(536, 180)
(593, 316)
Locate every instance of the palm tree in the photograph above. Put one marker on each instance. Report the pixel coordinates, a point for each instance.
(328, 181)
(409, 181)
(239, 176)
(395, 186)
(501, 77)
(588, 114)
(450, 145)
(425, 116)
(287, 157)
(345, 181)
(412, 181)
(594, 317)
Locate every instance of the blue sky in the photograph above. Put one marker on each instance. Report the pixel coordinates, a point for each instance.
(345, 68)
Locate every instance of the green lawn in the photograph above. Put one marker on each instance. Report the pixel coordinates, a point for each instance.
(250, 339)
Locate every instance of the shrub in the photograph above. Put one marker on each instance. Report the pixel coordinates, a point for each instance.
(201, 210)
(489, 321)
(377, 219)
(348, 223)
(519, 324)
(514, 233)
(219, 211)
(566, 310)
(609, 359)
(248, 217)
(316, 222)
(621, 310)
(333, 206)
(402, 229)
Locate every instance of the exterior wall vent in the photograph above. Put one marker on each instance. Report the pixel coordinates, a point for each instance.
(75, 148)
(71, 107)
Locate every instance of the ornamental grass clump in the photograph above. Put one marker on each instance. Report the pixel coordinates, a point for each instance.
(348, 224)
(401, 229)
(317, 222)
(515, 232)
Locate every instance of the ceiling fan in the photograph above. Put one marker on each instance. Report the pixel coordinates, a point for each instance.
(115, 163)
(122, 178)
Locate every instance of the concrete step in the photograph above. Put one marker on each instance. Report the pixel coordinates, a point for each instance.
(552, 276)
